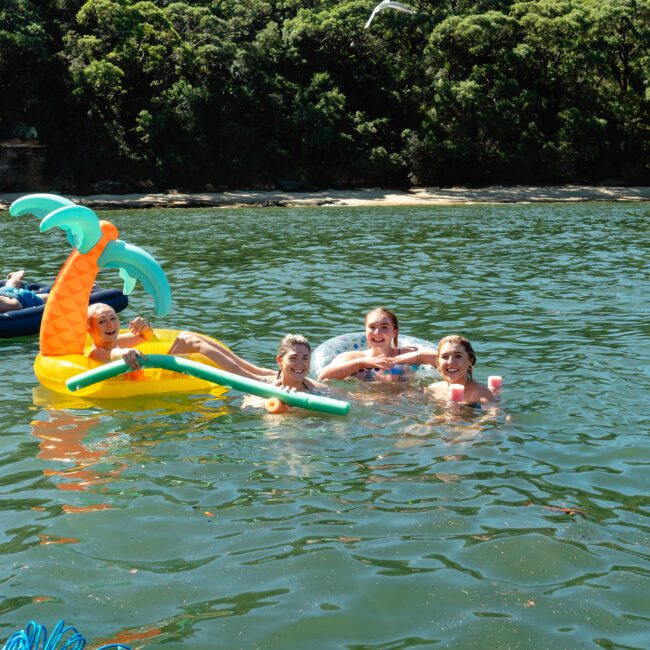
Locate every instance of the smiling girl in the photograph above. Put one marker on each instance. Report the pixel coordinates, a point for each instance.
(294, 361)
(383, 360)
(455, 361)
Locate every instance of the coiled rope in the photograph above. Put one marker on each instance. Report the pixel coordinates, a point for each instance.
(34, 637)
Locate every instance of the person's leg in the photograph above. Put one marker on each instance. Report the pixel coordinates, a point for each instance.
(247, 365)
(9, 304)
(14, 298)
(15, 279)
(190, 342)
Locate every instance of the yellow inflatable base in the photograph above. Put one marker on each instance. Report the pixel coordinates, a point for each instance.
(53, 372)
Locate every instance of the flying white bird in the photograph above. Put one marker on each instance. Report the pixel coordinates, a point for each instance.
(388, 4)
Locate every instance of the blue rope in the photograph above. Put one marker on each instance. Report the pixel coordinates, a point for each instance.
(34, 637)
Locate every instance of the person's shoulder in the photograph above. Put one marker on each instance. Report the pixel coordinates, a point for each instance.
(99, 354)
(439, 389)
(482, 393)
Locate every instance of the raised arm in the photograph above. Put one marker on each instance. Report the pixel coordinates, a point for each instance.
(139, 332)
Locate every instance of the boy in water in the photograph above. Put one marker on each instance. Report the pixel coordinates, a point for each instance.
(13, 296)
(108, 343)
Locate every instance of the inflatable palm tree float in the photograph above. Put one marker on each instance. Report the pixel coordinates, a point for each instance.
(62, 365)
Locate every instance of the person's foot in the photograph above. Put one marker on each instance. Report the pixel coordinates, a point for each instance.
(15, 279)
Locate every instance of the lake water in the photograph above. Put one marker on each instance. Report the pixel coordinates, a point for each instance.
(187, 522)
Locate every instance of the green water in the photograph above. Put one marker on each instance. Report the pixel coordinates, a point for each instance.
(187, 522)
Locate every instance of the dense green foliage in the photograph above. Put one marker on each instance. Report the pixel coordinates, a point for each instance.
(296, 92)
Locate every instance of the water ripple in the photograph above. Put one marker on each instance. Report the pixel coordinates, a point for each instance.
(187, 521)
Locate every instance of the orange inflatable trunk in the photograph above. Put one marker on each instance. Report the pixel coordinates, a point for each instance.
(64, 326)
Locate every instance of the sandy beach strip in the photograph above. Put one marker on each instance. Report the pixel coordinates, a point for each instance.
(358, 197)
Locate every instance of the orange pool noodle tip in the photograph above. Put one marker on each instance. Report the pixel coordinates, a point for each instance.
(275, 406)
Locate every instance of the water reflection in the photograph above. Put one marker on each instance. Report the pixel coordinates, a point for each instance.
(66, 437)
(96, 443)
(404, 524)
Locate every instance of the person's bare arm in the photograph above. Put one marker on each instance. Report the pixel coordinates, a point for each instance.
(417, 356)
(347, 363)
(131, 356)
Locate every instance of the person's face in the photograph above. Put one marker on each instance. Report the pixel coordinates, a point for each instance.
(453, 363)
(105, 327)
(380, 331)
(294, 364)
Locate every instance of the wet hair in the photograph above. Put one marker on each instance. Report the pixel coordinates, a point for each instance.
(461, 340)
(391, 317)
(290, 341)
(92, 311)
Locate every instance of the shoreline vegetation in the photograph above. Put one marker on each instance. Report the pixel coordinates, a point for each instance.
(357, 197)
(117, 96)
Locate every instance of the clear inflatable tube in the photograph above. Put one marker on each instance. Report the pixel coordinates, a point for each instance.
(326, 351)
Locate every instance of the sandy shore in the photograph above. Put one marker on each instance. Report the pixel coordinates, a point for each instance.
(360, 197)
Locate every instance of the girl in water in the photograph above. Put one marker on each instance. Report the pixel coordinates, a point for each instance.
(294, 360)
(293, 357)
(455, 361)
(384, 360)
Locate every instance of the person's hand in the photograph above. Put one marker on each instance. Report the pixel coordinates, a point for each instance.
(139, 326)
(381, 361)
(133, 358)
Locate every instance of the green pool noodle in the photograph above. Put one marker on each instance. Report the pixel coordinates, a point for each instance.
(216, 376)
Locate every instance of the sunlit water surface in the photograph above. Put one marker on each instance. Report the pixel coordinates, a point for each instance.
(187, 522)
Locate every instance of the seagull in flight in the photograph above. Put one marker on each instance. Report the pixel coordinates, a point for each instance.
(389, 4)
